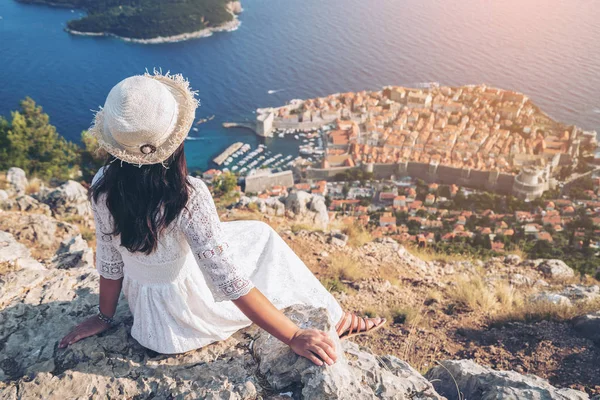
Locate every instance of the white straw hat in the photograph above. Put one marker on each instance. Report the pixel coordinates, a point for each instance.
(145, 117)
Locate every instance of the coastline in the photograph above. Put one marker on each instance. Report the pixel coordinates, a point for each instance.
(206, 32)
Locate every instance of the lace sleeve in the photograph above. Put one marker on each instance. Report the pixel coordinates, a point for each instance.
(202, 228)
(109, 262)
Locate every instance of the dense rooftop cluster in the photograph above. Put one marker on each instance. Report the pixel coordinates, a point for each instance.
(475, 127)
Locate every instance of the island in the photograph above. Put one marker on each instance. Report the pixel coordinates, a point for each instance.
(475, 136)
(150, 21)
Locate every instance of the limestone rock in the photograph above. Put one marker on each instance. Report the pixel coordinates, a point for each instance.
(588, 326)
(73, 253)
(581, 292)
(10, 249)
(553, 298)
(512, 259)
(297, 201)
(477, 382)
(29, 204)
(40, 307)
(37, 230)
(276, 205)
(556, 269)
(69, 199)
(520, 280)
(3, 198)
(357, 374)
(16, 254)
(17, 180)
(338, 239)
(318, 206)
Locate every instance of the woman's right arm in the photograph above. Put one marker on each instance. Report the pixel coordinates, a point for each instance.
(110, 290)
(109, 265)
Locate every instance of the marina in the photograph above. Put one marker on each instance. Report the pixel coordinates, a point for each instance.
(228, 151)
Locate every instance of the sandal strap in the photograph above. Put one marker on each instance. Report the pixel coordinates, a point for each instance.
(354, 319)
(342, 324)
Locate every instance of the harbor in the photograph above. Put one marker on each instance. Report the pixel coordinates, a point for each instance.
(242, 160)
(229, 151)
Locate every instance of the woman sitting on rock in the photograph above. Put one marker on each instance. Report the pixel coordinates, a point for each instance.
(189, 279)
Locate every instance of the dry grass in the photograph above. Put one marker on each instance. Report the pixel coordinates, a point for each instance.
(390, 273)
(3, 181)
(304, 227)
(544, 311)
(6, 267)
(474, 294)
(344, 267)
(334, 285)
(433, 296)
(415, 342)
(252, 207)
(410, 316)
(357, 234)
(426, 254)
(517, 251)
(246, 217)
(33, 187)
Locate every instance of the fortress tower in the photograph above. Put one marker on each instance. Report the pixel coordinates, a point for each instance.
(530, 183)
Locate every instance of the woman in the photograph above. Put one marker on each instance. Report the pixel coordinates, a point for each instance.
(189, 279)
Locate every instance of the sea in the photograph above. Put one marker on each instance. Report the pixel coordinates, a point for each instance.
(283, 50)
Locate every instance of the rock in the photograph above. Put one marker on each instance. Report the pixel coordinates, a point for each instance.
(243, 201)
(556, 269)
(17, 180)
(3, 198)
(520, 280)
(73, 253)
(588, 326)
(277, 206)
(581, 292)
(318, 206)
(338, 239)
(297, 201)
(37, 230)
(360, 376)
(512, 259)
(40, 307)
(69, 199)
(29, 204)
(553, 298)
(15, 253)
(477, 382)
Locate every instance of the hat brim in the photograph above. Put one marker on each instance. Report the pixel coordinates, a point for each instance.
(187, 104)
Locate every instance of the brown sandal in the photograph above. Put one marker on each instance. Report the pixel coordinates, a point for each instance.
(356, 322)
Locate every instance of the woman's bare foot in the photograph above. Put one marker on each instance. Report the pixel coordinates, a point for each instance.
(352, 325)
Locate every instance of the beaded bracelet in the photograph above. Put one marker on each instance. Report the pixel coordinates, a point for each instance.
(104, 318)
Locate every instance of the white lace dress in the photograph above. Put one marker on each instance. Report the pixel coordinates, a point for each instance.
(179, 295)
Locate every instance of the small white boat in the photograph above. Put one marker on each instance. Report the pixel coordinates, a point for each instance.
(296, 137)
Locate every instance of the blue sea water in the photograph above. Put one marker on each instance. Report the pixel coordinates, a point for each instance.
(549, 49)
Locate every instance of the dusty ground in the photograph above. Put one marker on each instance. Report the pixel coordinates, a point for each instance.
(431, 325)
(427, 321)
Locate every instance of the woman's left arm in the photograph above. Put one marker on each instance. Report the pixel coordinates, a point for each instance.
(313, 344)
(202, 227)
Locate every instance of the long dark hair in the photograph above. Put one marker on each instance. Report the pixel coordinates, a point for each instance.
(144, 200)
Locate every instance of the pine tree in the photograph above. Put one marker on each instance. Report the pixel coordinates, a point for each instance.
(30, 142)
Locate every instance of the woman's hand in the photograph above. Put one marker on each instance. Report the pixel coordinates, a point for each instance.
(90, 327)
(315, 345)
